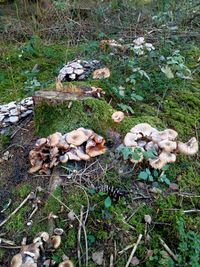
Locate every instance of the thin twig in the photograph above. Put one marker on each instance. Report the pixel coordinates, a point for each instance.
(134, 250)
(111, 260)
(168, 249)
(79, 236)
(18, 208)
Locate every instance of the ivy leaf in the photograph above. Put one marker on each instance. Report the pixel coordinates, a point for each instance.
(168, 72)
(143, 175)
(107, 202)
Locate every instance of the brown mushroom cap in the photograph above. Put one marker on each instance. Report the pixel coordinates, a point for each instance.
(53, 139)
(37, 166)
(81, 154)
(73, 155)
(131, 138)
(16, 260)
(63, 144)
(118, 116)
(40, 142)
(66, 263)
(143, 128)
(101, 74)
(189, 148)
(55, 241)
(93, 149)
(167, 145)
(77, 137)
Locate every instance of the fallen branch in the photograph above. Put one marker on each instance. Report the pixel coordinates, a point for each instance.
(168, 249)
(17, 209)
(134, 250)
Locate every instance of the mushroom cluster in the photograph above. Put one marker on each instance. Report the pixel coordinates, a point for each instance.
(77, 70)
(143, 138)
(29, 255)
(80, 144)
(140, 46)
(12, 112)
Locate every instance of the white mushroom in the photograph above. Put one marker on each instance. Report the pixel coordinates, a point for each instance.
(167, 145)
(131, 138)
(142, 128)
(189, 148)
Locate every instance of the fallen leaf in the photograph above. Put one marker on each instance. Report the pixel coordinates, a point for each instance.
(135, 261)
(97, 257)
(168, 72)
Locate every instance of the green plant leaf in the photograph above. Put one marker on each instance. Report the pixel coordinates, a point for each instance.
(143, 175)
(107, 202)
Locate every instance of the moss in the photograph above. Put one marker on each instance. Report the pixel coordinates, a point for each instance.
(90, 113)
(181, 112)
(52, 205)
(4, 141)
(24, 190)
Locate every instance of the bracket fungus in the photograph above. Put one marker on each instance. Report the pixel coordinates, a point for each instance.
(162, 143)
(77, 145)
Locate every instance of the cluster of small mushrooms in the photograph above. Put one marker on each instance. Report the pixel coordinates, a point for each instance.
(30, 255)
(12, 112)
(77, 145)
(77, 70)
(164, 143)
(139, 46)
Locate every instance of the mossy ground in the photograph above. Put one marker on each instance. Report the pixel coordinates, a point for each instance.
(173, 103)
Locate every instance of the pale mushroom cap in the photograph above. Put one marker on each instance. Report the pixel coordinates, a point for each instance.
(58, 231)
(167, 157)
(130, 139)
(97, 138)
(73, 155)
(66, 263)
(77, 137)
(64, 158)
(81, 154)
(143, 128)
(189, 148)
(16, 260)
(44, 236)
(118, 116)
(167, 145)
(55, 241)
(53, 139)
(169, 134)
(157, 163)
(101, 73)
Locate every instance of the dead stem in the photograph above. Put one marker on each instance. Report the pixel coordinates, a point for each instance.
(134, 250)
